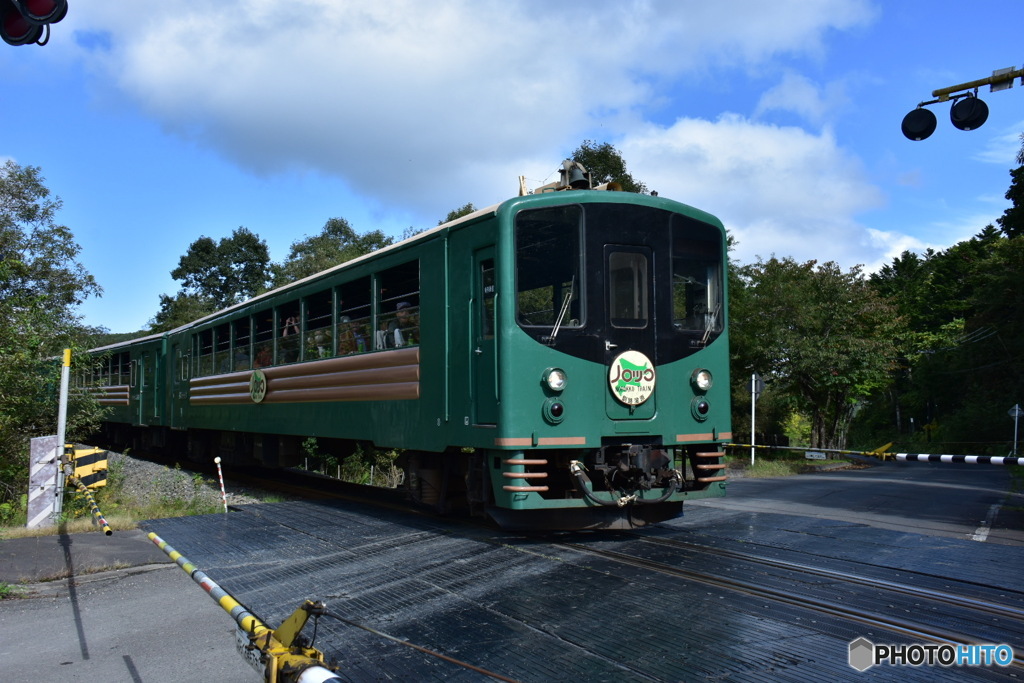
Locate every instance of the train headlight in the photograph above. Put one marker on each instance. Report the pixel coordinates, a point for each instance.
(701, 379)
(555, 379)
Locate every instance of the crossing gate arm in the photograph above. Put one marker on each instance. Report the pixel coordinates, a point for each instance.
(873, 456)
(276, 655)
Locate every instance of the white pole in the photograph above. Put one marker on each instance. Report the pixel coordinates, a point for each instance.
(220, 475)
(1016, 419)
(62, 421)
(753, 403)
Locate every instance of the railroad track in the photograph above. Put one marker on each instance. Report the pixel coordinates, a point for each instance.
(997, 623)
(998, 618)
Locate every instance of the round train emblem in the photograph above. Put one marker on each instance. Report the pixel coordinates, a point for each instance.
(631, 378)
(257, 386)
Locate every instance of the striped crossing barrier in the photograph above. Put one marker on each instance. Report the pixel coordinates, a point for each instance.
(900, 457)
(970, 459)
(274, 654)
(96, 514)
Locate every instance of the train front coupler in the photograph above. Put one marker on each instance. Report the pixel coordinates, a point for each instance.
(625, 483)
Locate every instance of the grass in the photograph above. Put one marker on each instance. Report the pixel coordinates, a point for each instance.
(8, 591)
(122, 512)
(764, 467)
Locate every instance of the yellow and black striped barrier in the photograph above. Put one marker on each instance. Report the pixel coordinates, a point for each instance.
(274, 654)
(96, 514)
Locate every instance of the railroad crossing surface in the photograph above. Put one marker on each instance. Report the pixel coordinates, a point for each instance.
(565, 607)
(594, 606)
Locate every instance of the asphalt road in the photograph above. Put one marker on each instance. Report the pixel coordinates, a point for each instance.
(150, 626)
(933, 499)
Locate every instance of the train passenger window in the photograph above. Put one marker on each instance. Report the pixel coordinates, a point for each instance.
(120, 368)
(398, 313)
(241, 331)
(222, 349)
(627, 289)
(263, 347)
(288, 332)
(318, 326)
(354, 321)
(204, 353)
(548, 285)
(696, 277)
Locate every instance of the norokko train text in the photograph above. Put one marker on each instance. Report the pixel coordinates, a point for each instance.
(557, 361)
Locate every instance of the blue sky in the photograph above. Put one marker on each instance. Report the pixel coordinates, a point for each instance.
(157, 123)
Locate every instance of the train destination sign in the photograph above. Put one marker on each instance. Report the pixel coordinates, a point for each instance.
(631, 378)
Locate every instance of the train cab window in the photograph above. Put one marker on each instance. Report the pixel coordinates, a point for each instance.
(548, 285)
(627, 289)
(318, 326)
(696, 277)
(288, 332)
(354, 319)
(204, 353)
(241, 331)
(398, 313)
(222, 349)
(263, 339)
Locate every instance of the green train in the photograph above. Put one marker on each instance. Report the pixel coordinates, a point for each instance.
(556, 361)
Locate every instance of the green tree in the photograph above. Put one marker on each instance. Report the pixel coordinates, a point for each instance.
(463, 210)
(1012, 220)
(606, 164)
(41, 283)
(214, 275)
(337, 242)
(179, 310)
(225, 272)
(820, 336)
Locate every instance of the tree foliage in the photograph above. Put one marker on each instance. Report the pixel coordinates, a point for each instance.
(214, 275)
(606, 164)
(337, 242)
(225, 272)
(962, 357)
(41, 283)
(822, 337)
(463, 210)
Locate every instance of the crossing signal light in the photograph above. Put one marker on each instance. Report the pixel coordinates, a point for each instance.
(27, 21)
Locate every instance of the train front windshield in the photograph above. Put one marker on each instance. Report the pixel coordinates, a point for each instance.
(591, 275)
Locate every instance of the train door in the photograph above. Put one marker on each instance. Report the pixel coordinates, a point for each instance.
(631, 332)
(483, 361)
(147, 393)
(178, 395)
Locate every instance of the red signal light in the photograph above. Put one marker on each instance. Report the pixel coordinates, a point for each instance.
(44, 11)
(27, 21)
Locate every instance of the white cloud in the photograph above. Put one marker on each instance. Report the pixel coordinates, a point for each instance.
(404, 99)
(779, 190)
(798, 94)
(1003, 147)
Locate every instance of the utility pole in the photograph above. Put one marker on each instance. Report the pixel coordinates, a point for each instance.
(756, 387)
(62, 421)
